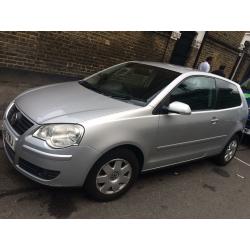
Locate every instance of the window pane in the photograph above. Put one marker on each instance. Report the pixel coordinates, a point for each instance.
(228, 95)
(198, 92)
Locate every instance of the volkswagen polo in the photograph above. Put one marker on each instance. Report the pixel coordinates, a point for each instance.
(102, 131)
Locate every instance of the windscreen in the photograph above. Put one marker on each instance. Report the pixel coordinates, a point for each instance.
(132, 81)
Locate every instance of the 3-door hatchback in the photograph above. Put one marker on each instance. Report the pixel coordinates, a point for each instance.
(101, 132)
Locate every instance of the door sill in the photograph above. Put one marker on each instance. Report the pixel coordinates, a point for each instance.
(173, 164)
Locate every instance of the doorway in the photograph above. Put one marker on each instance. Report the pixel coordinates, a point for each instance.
(182, 48)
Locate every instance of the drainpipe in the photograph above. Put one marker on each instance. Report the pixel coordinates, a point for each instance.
(241, 55)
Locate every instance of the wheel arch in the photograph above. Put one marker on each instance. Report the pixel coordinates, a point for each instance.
(239, 134)
(134, 148)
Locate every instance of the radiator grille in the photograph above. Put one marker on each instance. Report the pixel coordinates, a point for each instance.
(18, 121)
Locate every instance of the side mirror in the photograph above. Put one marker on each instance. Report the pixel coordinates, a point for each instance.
(179, 108)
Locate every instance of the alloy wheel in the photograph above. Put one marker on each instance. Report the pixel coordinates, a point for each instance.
(230, 151)
(113, 176)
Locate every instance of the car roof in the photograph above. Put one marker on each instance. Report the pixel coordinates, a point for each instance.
(183, 70)
(177, 68)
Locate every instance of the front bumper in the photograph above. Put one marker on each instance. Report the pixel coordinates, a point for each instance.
(53, 167)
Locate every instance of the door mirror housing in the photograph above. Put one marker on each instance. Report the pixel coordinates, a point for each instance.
(178, 108)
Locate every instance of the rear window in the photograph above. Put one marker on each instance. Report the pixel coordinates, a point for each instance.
(228, 95)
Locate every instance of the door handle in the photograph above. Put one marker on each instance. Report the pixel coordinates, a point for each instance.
(214, 120)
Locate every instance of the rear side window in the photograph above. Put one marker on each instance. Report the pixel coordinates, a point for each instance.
(227, 96)
(196, 91)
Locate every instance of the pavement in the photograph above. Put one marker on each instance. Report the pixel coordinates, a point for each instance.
(196, 190)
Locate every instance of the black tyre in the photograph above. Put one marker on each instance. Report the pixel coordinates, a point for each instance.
(112, 175)
(228, 152)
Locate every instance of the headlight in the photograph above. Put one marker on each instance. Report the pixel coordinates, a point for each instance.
(60, 135)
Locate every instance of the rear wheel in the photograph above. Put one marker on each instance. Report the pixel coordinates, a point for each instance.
(228, 152)
(112, 175)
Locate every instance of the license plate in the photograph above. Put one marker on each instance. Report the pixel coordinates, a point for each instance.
(8, 138)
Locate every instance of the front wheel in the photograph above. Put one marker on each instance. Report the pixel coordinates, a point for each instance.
(112, 175)
(228, 152)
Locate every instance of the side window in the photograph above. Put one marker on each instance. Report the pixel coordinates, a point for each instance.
(228, 95)
(198, 92)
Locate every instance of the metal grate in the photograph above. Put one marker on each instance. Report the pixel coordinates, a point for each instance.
(18, 121)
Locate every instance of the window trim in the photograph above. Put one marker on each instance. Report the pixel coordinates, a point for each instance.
(157, 109)
(218, 110)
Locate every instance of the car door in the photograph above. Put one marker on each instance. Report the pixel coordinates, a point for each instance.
(182, 138)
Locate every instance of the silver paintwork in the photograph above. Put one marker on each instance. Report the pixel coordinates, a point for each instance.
(163, 139)
(48, 155)
(113, 176)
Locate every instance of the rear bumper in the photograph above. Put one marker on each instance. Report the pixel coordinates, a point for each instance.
(247, 131)
(247, 128)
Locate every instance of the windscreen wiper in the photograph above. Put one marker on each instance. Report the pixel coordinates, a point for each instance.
(126, 97)
(92, 87)
(115, 96)
(88, 85)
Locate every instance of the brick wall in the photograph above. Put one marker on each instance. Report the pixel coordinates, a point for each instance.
(77, 53)
(220, 56)
(80, 53)
(223, 47)
(232, 38)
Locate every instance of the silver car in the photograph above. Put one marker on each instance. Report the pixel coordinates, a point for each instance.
(101, 132)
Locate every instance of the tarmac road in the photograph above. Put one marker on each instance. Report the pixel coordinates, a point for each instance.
(194, 190)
